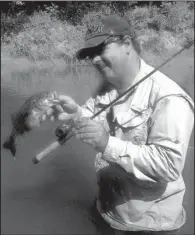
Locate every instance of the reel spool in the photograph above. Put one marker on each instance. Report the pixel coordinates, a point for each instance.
(62, 131)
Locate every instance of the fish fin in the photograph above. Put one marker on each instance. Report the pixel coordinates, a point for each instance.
(33, 121)
(10, 145)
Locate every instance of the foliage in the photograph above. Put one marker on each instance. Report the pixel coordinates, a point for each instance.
(45, 37)
(56, 29)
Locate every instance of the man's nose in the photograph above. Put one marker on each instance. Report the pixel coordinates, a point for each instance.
(96, 59)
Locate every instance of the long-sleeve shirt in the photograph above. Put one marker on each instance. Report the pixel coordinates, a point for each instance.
(140, 173)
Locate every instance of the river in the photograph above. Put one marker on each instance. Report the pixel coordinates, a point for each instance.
(52, 197)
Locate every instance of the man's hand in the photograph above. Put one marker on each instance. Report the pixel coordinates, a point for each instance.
(66, 110)
(92, 133)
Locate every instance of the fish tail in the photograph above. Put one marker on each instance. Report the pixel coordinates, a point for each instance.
(10, 145)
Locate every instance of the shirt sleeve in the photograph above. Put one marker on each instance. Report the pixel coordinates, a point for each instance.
(88, 109)
(162, 158)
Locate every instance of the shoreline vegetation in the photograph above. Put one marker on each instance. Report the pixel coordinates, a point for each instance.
(51, 33)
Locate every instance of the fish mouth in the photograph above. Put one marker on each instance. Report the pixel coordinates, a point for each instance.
(49, 101)
(54, 98)
(54, 95)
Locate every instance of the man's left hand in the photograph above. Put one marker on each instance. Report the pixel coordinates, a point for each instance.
(92, 133)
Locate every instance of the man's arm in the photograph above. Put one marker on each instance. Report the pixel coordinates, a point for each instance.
(162, 159)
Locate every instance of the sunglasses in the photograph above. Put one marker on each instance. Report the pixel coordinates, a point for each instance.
(98, 50)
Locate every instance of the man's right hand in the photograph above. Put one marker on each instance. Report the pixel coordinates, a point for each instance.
(66, 110)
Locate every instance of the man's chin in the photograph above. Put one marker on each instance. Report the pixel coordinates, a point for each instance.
(103, 88)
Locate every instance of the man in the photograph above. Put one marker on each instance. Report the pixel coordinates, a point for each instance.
(141, 142)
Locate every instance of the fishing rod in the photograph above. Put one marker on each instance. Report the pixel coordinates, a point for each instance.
(64, 136)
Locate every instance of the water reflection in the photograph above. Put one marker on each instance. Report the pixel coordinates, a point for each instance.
(45, 198)
(68, 79)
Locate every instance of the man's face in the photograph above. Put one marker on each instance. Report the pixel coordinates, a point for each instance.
(110, 62)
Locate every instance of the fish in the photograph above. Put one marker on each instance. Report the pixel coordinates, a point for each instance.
(29, 116)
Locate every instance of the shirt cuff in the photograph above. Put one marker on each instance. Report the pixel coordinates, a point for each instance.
(114, 149)
(84, 112)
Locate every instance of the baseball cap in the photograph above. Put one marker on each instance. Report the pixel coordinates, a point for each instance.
(101, 30)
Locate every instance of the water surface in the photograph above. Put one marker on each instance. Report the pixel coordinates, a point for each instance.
(52, 197)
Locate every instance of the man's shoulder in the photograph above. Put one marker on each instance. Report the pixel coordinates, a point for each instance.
(164, 84)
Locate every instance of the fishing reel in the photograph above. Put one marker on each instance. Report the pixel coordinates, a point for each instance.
(62, 131)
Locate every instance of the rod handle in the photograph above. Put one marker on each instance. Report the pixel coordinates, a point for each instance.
(46, 151)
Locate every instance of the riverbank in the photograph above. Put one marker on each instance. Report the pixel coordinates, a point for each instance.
(47, 34)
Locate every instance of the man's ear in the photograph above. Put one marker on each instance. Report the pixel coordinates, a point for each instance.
(128, 44)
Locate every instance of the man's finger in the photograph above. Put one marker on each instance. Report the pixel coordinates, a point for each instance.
(85, 122)
(88, 136)
(65, 117)
(89, 142)
(65, 99)
(43, 118)
(49, 111)
(86, 129)
(59, 108)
